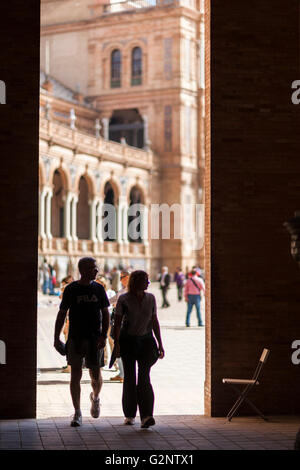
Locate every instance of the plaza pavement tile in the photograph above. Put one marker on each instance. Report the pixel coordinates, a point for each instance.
(179, 405)
(164, 436)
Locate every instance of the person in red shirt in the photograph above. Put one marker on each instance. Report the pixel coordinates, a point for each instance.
(192, 294)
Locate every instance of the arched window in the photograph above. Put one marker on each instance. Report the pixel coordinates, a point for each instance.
(136, 66)
(116, 67)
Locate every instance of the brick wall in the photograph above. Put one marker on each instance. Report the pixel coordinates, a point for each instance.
(19, 45)
(253, 186)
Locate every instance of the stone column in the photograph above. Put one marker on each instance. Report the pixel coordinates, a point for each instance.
(125, 221)
(105, 122)
(99, 218)
(97, 128)
(146, 132)
(42, 213)
(119, 223)
(67, 228)
(48, 213)
(93, 214)
(74, 218)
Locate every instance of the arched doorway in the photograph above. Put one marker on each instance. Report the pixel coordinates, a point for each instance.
(109, 225)
(135, 218)
(57, 208)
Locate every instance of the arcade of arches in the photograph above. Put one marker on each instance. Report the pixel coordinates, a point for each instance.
(77, 223)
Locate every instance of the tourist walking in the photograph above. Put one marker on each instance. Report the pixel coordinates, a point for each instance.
(192, 294)
(46, 276)
(135, 343)
(115, 279)
(164, 281)
(110, 294)
(179, 278)
(87, 304)
(52, 280)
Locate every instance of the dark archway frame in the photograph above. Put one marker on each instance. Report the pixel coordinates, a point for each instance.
(252, 187)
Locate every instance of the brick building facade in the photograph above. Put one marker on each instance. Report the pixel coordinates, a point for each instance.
(81, 173)
(139, 65)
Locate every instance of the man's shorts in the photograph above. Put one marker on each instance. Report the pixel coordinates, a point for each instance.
(87, 351)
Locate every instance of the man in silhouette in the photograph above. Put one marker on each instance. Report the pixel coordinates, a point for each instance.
(87, 304)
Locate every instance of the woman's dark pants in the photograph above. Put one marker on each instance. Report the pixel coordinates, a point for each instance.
(137, 391)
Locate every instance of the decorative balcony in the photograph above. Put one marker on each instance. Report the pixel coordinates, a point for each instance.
(84, 246)
(79, 142)
(128, 5)
(61, 246)
(110, 247)
(137, 249)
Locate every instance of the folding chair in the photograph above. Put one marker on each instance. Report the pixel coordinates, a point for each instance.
(249, 384)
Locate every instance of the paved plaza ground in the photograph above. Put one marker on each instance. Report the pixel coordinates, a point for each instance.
(178, 379)
(178, 382)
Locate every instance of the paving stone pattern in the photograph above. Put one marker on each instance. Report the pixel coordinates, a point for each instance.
(178, 384)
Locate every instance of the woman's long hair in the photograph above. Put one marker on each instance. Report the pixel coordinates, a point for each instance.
(137, 281)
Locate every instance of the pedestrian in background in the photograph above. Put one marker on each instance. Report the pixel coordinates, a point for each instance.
(135, 343)
(179, 278)
(46, 276)
(115, 279)
(52, 279)
(124, 281)
(110, 294)
(192, 294)
(164, 281)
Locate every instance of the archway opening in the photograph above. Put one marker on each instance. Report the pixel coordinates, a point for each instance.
(120, 176)
(127, 126)
(57, 207)
(109, 214)
(136, 219)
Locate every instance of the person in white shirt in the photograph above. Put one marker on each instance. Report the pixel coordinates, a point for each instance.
(110, 293)
(124, 278)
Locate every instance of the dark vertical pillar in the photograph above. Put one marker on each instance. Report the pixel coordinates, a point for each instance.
(254, 186)
(19, 45)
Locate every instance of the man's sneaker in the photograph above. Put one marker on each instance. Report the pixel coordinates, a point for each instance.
(147, 422)
(77, 419)
(95, 408)
(129, 421)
